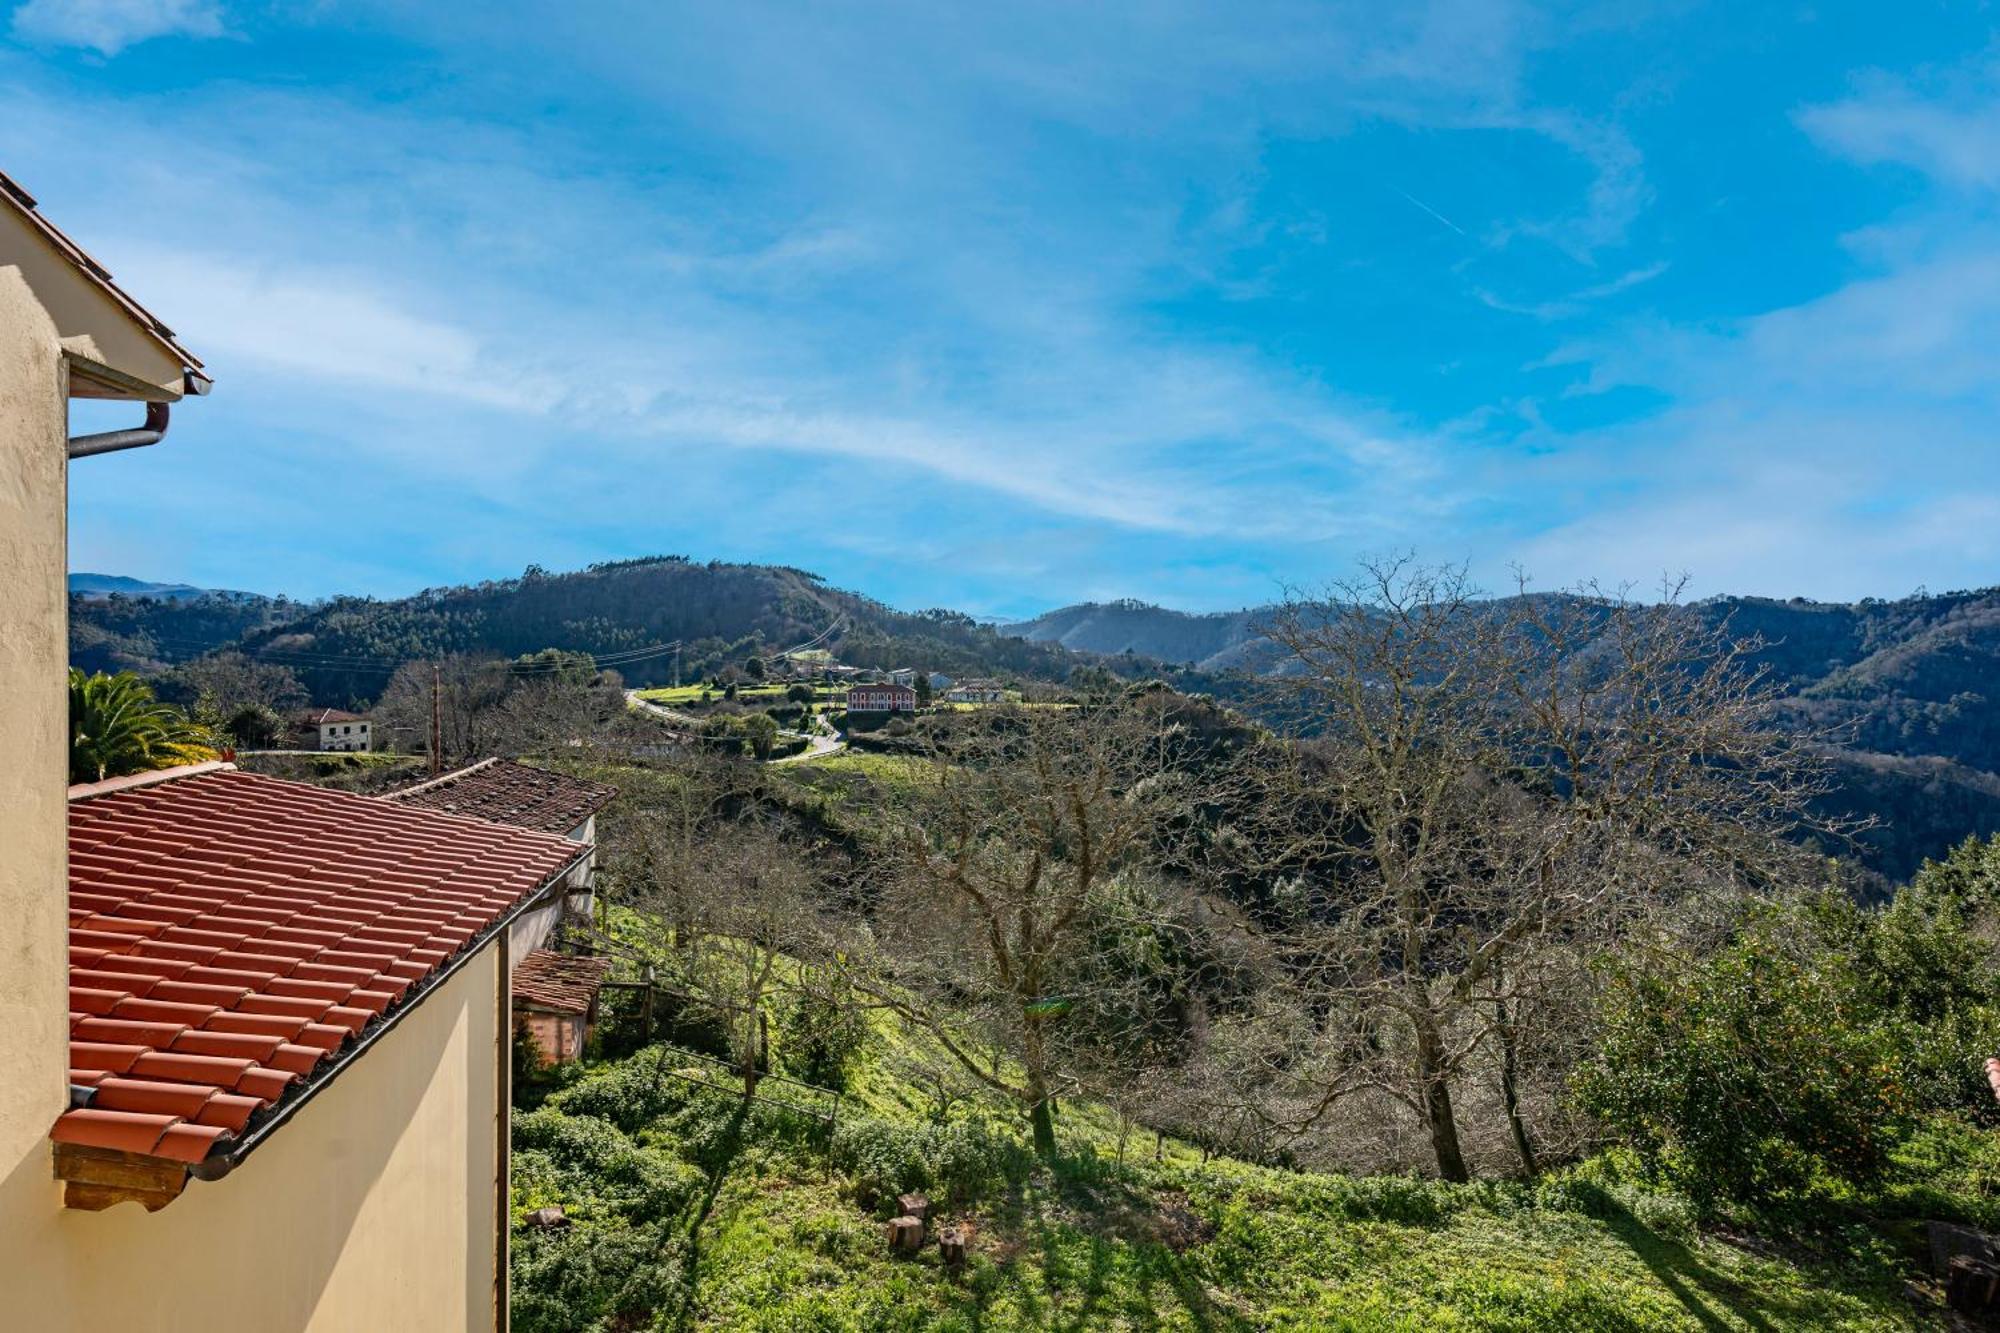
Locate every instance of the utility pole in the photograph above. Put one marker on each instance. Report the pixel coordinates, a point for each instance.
(437, 723)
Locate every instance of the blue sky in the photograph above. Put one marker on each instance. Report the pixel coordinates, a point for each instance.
(1004, 306)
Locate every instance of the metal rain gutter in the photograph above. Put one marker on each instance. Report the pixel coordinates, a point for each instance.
(110, 441)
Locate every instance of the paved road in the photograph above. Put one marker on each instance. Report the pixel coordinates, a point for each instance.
(825, 740)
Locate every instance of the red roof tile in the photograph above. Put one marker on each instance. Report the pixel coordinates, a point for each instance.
(567, 984)
(316, 717)
(232, 936)
(510, 793)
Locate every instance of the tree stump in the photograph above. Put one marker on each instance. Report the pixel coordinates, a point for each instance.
(548, 1219)
(915, 1205)
(906, 1235)
(1970, 1284)
(951, 1247)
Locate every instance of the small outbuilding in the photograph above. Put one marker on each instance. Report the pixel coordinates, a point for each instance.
(555, 1000)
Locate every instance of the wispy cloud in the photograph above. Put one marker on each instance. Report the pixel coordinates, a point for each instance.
(109, 26)
(1951, 135)
(1013, 303)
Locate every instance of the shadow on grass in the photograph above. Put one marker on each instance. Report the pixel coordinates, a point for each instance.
(1088, 1258)
(727, 1148)
(1681, 1271)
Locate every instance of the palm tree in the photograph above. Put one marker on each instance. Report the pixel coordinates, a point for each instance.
(116, 727)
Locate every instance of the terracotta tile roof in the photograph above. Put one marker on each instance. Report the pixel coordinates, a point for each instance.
(562, 982)
(511, 793)
(314, 717)
(232, 936)
(24, 203)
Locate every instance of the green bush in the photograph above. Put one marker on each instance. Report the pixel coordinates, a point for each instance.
(822, 1034)
(1748, 1074)
(959, 1161)
(589, 1164)
(587, 1277)
(630, 1094)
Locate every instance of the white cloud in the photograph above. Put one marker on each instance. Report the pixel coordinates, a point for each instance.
(1953, 138)
(109, 26)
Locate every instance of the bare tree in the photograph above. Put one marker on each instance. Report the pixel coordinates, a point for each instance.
(1006, 855)
(727, 903)
(1482, 775)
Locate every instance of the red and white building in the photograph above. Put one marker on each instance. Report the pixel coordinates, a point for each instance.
(881, 699)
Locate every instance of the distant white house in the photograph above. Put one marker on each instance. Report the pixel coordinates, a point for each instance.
(332, 729)
(903, 676)
(976, 692)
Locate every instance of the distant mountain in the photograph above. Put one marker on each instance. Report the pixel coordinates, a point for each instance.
(104, 585)
(1216, 641)
(717, 613)
(149, 632)
(1911, 687)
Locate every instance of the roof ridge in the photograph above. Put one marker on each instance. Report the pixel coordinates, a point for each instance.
(443, 778)
(83, 791)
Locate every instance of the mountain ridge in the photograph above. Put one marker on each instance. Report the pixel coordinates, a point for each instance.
(1909, 685)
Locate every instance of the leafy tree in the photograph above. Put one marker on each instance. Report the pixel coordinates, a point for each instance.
(823, 1031)
(117, 727)
(922, 685)
(1747, 1074)
(761, 731)
(254, 727)
(800, 693)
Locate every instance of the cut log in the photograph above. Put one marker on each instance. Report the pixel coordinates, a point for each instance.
(906, 1234)
(951, 1247)
(915, 1205)
(1971, 1284)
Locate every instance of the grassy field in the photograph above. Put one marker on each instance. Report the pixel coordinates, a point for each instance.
(691, 1209)
(672, 695)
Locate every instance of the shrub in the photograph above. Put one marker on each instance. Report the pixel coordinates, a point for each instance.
(822, 1034)
(630, 1094)
(960, 1161)
(1748, 1073)
(585, 1276)
(582, 1161)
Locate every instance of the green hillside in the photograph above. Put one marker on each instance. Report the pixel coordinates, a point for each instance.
(688, 1208)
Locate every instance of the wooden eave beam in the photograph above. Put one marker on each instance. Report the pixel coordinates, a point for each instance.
(96, 1178)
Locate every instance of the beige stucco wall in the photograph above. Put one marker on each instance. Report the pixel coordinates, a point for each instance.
(372, 1209)
(375, 1207)
(34, 740)
(88, 321)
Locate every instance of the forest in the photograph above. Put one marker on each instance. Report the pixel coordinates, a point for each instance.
(1897, 691)
(1508, 976)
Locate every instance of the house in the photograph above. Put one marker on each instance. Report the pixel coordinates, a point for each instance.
(532, 798)
(881, 699)
(288, 1016)
(331, 729)
(254, 1058)
(976, 692)
(555, 1001)
(903, 676)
